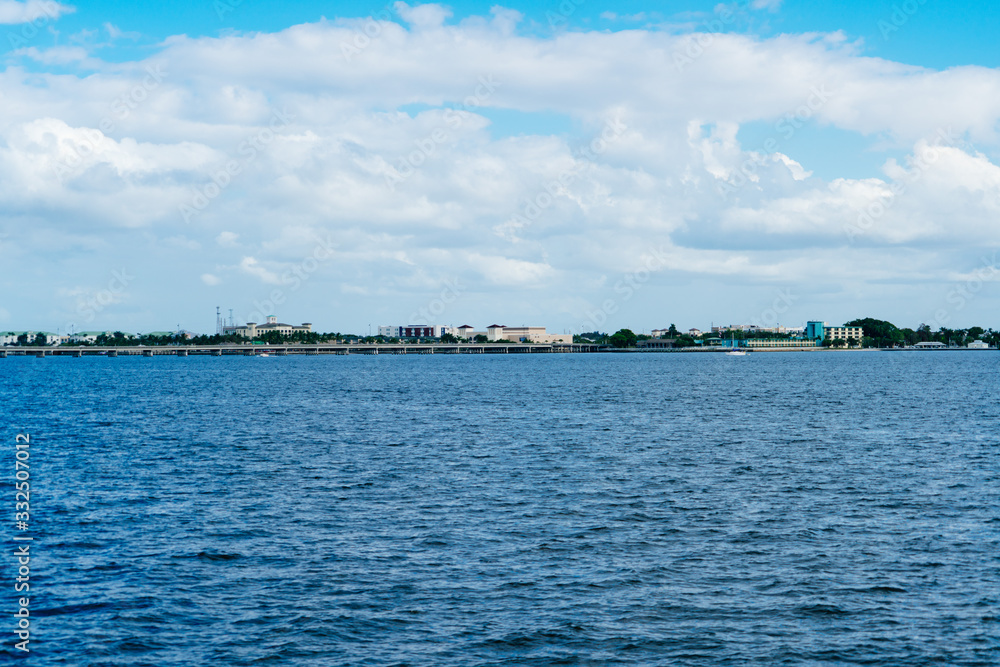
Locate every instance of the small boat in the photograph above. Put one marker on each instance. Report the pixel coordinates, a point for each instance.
(736, 351)
(263, 354)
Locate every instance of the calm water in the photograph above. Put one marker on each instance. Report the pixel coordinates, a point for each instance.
(778, 509)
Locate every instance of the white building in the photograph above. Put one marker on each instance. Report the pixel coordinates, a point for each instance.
(496, 332)
(413, 331)
(10, 337)
(253, 330)
(84, 337)
(978, 345)
(493, 333)
(844, 333)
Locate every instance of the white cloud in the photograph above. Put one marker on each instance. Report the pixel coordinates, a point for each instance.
(15, 12)
(423, 17)
(251, 266)
(227, 239)
(678, 176)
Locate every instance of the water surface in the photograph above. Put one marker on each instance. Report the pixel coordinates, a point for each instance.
(654, 509)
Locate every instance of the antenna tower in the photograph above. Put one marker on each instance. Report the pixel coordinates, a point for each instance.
(218, 320)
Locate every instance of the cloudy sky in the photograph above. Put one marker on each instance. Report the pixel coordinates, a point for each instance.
(579, 165)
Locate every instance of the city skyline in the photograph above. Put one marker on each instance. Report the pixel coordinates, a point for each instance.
(553, 163)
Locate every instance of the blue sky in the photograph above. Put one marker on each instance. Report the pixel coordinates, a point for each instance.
(930, 33)
(439, 163)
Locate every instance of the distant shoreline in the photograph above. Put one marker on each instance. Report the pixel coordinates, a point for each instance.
(399, 349)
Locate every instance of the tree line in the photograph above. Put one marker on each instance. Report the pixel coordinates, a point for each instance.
(876, 333)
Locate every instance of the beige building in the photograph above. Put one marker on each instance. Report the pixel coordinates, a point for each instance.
(497, 332)
(775, 343)
(252, 329)
(844, 333)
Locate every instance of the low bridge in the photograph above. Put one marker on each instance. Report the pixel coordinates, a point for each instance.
(284, 350)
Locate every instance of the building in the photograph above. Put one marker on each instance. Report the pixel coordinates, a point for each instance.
(90, 337)
(493, 333)
(496, 332)
(253, 330)
(695, 333)
(11, 337)
(815, 330)
(412, 331)
(844, 333)
(657, 344)
(416, 331)
(978, 345)
(752, 328)
(778, 343)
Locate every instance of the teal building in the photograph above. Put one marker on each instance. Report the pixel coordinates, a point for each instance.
(816, 331)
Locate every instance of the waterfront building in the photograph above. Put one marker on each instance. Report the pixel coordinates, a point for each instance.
(253, 330)
(496, 332)
(656, 344)
(815, 330)
(11, 337)
(412, 331)
(844, 333)
(978, 345)
(90, 337)
(775, 343)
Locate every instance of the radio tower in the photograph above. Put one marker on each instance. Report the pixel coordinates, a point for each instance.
(218, 320)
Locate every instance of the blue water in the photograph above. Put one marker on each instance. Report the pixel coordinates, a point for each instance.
(656, 509)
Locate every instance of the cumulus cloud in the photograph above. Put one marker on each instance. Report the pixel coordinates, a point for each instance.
(227, 239)
(12, 11)
(251, 266)
(399, 156)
